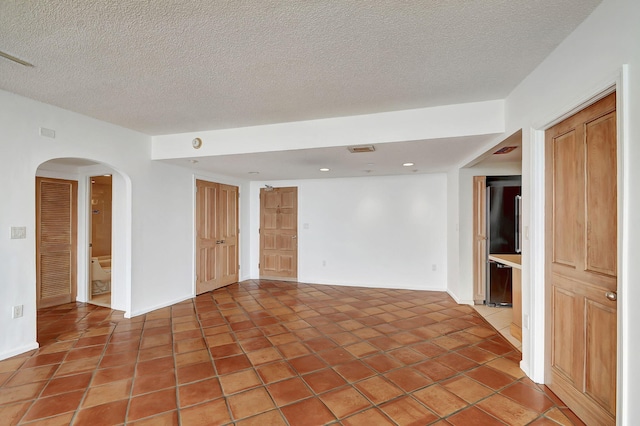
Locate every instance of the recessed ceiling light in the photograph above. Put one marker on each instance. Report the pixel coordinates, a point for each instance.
(407, 164)
(324, 169)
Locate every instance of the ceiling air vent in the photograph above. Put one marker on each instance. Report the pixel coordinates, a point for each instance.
(505, 150)
(361, 148)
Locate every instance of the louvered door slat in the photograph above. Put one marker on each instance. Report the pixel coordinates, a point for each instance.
(56, 207)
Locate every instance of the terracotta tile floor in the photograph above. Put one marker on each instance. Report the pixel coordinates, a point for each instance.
(275, 353)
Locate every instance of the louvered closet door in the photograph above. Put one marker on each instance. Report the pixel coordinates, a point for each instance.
(56, 241)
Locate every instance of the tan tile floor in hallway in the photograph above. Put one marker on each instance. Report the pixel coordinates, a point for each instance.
(275, 353)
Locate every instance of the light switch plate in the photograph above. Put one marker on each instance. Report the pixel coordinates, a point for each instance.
(18, 232)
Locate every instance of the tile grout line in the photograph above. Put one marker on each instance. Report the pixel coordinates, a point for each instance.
(319, 320)
(277, 406)
(56, 370)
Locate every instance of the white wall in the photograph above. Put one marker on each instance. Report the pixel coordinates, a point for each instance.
(155, 199)
(453, 239)
(373, 232)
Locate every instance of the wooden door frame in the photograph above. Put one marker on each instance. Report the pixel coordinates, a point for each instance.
(89, 237)
(537, 329)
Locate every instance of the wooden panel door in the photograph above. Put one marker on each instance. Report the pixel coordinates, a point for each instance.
(581, 235)
(216, 235)
(279, 233)
(479, 237)
(56, 241)
(227, 234)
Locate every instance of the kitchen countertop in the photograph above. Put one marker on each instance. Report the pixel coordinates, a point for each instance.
(513, 260)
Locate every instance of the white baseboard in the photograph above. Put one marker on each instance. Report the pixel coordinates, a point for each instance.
(395, 286)
(20, 350)
(156, 307)
(460, 301)
(524, 366)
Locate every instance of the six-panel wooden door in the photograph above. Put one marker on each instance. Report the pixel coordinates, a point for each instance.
(581, 235)
(279, 233)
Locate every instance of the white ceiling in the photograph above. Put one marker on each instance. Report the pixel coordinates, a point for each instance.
(170, 66)
(428, 156)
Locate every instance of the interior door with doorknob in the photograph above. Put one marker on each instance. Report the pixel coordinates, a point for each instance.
(279, 233)
(582, 241)
(216, 235)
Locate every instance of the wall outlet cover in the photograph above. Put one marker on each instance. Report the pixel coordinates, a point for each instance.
(18, 311)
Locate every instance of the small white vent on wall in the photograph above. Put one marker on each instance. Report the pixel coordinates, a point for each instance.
(47, 133)
(361, 148)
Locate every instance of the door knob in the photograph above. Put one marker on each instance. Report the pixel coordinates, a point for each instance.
(611, 295)
(294, 237)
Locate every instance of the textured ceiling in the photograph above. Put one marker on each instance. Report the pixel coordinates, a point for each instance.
(161, 66)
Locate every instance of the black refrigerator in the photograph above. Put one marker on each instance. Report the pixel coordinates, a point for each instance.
(503, 231)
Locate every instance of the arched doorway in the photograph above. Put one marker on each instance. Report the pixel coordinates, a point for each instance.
(81, 171)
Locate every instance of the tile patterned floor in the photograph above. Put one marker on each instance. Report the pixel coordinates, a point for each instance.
(275, 353)
(500, 318)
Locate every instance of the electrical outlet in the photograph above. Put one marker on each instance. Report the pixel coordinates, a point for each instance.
(17, 311)
(434, 267)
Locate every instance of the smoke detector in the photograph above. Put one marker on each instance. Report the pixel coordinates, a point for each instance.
(361, 148)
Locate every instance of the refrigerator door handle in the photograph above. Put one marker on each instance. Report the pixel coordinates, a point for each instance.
(518, 219)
